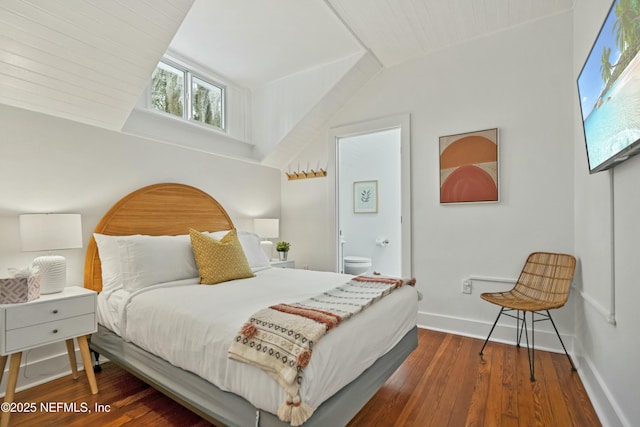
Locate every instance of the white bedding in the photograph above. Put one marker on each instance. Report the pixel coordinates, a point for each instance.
(192, 325)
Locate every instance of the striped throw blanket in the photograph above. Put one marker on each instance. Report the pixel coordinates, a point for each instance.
(280, 339)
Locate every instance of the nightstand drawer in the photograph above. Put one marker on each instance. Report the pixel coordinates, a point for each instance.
(37, 335)
(30, 314)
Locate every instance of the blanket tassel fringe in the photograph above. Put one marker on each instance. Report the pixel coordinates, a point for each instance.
(294, 411)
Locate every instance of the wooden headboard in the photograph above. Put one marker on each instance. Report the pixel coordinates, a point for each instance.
(160, 209)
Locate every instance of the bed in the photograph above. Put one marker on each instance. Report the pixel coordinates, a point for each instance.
(174, 333)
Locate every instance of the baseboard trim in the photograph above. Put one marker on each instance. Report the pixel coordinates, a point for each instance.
(505, 331)
(602, 399)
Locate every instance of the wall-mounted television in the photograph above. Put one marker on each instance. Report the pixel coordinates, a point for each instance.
(609, 89)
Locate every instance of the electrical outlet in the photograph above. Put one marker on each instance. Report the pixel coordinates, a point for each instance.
(466, 287)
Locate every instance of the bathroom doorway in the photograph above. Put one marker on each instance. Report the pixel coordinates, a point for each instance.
(373, 198)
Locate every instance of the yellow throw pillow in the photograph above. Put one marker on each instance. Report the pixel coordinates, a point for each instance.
(219, 260)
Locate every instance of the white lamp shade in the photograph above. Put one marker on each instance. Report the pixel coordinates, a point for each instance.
(46, 232)
(267, 228)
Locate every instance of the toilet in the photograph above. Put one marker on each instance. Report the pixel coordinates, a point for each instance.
(356, 265)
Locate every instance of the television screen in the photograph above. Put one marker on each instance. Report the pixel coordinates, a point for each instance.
(609, 89)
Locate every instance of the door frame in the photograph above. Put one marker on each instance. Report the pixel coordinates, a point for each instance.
(403, 122)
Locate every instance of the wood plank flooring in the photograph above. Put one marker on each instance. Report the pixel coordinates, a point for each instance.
(444, 382)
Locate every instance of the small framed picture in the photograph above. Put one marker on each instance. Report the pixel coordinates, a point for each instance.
(365, 197)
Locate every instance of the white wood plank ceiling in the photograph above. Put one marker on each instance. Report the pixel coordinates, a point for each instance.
(85, 60)
(89, 60)
(254, 42)
(399, 30)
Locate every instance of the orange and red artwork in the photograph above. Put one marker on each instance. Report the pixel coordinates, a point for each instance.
(469, 167)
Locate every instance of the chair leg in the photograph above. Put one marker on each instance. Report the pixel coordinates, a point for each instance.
(531, 354)
(526, 331)
(518, 332)
(520, 327)
(491, 331)
(573, 367)
(530, 349)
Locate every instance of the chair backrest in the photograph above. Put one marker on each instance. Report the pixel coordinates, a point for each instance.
(546, 277)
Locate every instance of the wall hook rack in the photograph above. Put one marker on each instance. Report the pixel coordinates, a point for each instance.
(304, 175)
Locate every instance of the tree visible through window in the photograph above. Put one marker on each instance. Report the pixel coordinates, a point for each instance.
(167, 90)
(170, 87)
(206, 105)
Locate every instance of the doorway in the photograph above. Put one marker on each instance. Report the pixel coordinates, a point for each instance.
(372, 220)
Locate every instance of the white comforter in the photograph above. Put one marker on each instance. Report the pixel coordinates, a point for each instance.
(192, 325)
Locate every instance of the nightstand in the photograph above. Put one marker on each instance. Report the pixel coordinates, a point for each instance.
(51, 318)
(283, 264)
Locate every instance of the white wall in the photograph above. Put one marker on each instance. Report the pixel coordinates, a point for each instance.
(55, 165)
(279, 106)
(608, 353)
(518, 81)
(522, 81)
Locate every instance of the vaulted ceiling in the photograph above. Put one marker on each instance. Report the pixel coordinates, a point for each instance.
(256, 41)
(84, 60)
(397, 31)
(253, 42)
(90, 60)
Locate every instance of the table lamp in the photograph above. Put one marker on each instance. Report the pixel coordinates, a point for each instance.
(267, 228)
(48, 232)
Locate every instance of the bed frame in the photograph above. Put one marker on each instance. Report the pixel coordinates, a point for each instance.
(171, 209)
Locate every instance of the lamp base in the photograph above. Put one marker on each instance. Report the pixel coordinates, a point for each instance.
(53, 273)
(267, 248)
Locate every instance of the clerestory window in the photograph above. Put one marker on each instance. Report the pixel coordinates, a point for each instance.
(177, 91)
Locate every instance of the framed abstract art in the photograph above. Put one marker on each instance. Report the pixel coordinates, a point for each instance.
(469, 167)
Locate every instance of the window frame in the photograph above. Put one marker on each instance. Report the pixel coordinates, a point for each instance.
(187, 111)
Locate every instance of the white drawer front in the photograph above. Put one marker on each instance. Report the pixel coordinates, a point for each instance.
(36, 313)
(44, 333)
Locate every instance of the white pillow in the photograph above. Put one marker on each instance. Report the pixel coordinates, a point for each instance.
(109, 261)
(150, 260)
(250, 243)
(253, 251)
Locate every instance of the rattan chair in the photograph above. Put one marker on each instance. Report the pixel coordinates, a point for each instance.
(543, 285)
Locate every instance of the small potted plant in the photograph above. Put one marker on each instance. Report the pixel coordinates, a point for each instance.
(283, 250)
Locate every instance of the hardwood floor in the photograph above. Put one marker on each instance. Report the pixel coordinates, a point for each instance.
(443, 383)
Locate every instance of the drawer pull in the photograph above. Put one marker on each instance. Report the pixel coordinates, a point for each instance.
(55, 331)
(55, 311)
